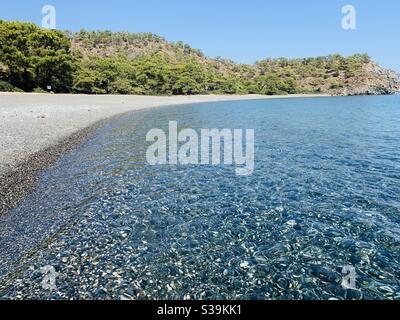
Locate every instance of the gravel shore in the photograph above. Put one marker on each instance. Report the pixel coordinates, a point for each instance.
(36, 129)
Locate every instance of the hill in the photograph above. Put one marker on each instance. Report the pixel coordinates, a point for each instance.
(104, 62)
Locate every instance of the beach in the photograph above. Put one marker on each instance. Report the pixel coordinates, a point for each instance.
(36, 129)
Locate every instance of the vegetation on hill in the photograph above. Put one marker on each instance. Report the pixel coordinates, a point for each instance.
(32, 58)
(103, 62)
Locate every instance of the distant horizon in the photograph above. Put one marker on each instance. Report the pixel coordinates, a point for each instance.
(242, 32)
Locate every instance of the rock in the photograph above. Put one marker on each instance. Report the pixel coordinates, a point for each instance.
(353, 294)
(291, 223)
(387, 290)
(374, 80)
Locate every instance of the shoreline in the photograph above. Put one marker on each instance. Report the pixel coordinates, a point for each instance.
(36, 130)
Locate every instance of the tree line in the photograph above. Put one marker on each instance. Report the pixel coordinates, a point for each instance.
(32, 59)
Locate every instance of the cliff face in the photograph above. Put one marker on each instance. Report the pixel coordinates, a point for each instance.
(336, 75)
(374, 80)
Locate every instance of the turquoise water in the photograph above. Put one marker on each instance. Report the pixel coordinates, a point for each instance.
(325, 195)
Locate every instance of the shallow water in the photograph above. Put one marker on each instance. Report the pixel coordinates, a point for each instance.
(325, 194)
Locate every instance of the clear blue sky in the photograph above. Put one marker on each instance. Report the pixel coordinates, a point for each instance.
(242, 30)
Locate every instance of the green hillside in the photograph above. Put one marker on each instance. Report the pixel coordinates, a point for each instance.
(103, 62)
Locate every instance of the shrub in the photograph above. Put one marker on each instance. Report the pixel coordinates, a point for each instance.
(39, 90)
(6, 87)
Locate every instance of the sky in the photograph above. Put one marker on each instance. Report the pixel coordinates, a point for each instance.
(242, 30)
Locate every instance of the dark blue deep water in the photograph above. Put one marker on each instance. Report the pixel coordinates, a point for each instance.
(325, 195)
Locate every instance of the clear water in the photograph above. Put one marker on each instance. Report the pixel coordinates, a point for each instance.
(325, 194)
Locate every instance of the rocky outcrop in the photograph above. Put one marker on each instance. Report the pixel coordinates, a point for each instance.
(374, 80)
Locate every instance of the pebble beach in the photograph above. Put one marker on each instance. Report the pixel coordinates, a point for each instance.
(36, 129)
